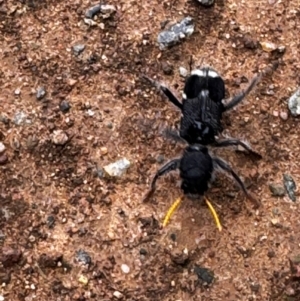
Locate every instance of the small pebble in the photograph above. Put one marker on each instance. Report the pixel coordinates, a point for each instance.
(2, 147)
(50, 221)
(79, 48)
(183, 72)
(160, 159)
(294, 103)
(255, 287)
(32, 286)
(271, 253)
(117, 168)
(1, 298)
(143, 251)
(125, 268)
(4, 119)
(31, 238)
(89, 22)
(283, 115)
(92, 11)
(204, 274)
(59, 137)
(175, 33)
(90, 112)
(83, 256)
(18, 91)
(167, 68)
(105, 9)
(109, 125)
(72, 82)
(206, 3)
(64, 106)
(281, 49)
(268, 46)
(3, 159)
(84, 280)
(173, 236)
(103, 150)
(40, 93)
(277, 189)
(290, 186)
(19, 118)
(118, 295)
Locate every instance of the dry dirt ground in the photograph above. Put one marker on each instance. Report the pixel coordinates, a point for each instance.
(54, 201)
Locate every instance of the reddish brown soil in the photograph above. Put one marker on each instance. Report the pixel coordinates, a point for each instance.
(106, 217)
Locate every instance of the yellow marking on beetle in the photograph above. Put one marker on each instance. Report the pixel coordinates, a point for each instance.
(176, 204)
(212, 210)
(171, 211)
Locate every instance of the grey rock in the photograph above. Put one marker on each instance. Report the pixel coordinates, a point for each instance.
(109, 125)
(277, 189)
(167, 68)
(204, 275)
(206, 2)
(79, 48)
(255, 287)
(40, 93)
(50, 221)
(290, 186)
(20, 118)
(105, 9)
(64, 106)
(4, 119)
(92, 11)
(83, 256)
(98, 172)
(175, 33)
(160, 159)
(294, 103)
(118, 168)
(183, 72)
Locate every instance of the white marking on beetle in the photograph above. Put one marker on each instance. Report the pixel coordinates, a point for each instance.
(213, 73)
(199, 72)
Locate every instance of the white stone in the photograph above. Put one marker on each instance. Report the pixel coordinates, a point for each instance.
(2, 147)
(294, 103)
(125, 268)
(118, 295)
(117, 168)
